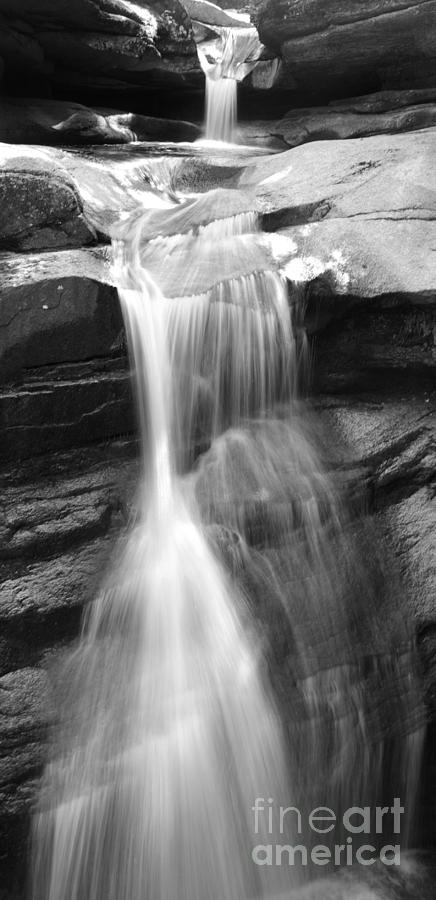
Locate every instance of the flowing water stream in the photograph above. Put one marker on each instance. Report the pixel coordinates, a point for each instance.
(178, 711)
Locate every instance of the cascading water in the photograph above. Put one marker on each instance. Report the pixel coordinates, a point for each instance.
(174, 734)
(170, 730)
(226, 60)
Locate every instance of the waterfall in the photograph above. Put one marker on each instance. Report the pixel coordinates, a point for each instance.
(225, 60)
(174, 733)
(176, 715)
(221, 109)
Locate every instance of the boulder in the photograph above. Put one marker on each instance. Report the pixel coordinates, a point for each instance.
(40, 204)
(330, 49)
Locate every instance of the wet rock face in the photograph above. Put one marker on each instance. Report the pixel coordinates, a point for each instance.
(333, 49)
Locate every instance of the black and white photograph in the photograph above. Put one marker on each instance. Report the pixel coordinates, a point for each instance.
(217, 450)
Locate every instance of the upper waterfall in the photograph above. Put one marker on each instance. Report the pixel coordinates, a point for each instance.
(226, 59)
(228, 49)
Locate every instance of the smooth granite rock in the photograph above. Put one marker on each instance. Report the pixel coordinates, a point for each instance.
(389, 176)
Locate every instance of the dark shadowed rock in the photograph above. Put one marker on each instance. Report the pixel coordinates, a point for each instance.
(24, 714)
(32, 120)
(108, 39)
(63, 370)
(99, 53)
(57, 122)
(66, 406)
(147, 128)
(54, 308)
(329, 48)
(373, 346)
(22, 55)
(410, 526)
